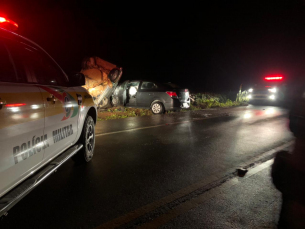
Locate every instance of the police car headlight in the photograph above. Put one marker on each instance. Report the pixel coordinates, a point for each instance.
(250, 90)
(272, 97)
(273, 90)
(249, 96)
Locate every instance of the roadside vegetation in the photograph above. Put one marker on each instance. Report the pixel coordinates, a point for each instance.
(199, 101)
(122, 112)
(207, 100)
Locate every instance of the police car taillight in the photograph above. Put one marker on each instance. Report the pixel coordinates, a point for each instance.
(8, 24)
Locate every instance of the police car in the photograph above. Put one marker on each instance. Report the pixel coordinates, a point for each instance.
(46, 117)
(271, 90)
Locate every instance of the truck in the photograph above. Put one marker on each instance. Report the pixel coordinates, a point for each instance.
(101, 77)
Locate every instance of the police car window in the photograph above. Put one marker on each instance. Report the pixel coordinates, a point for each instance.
(148, 85)
(38, 68)
(7, 71)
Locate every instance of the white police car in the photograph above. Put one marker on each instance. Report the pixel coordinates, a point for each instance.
(271, 90)
(45, 117)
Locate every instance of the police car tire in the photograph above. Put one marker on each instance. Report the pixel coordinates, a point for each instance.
(87, 138)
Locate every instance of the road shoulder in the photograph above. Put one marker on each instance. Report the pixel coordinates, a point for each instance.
(252, 203)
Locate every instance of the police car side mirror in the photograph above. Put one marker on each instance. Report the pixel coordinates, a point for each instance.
(77, 79)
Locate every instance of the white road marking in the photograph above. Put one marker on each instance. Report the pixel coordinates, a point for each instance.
(142, 128)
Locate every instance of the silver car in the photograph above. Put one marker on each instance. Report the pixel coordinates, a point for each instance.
(159, 97)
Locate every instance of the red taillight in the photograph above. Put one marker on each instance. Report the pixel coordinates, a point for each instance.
(172, 93)
(15, 105)
(8, 24)
(274, 78)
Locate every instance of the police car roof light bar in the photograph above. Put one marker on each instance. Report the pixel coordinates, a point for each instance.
(274, 78)
(8, 24)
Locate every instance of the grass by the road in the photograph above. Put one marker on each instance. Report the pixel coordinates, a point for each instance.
(123, 112)
(213, 104)
(199, 101)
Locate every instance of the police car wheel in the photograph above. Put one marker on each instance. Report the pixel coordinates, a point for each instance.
(87, 138)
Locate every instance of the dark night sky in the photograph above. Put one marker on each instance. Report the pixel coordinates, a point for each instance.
(204, 46)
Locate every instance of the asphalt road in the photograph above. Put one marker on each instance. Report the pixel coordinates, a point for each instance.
(246, 202)
(143, 165)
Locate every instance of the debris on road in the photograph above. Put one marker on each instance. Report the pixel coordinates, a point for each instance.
(241, 172)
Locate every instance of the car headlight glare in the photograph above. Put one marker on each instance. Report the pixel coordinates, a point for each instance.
(273, 90)
(133, 91)
(272, 97)
(250, 90)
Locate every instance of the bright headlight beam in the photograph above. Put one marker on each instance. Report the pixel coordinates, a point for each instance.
(250, 90)
(272, 90)
(272, 97)
(132, 91)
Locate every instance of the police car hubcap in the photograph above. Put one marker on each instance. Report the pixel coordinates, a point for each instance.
(156, 108)
(90, 139)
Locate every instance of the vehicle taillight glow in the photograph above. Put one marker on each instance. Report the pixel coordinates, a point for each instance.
(172, 93)
(15, 105)
(274, 78)
(8, 24)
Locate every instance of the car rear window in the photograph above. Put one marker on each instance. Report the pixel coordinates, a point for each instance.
(171, 85)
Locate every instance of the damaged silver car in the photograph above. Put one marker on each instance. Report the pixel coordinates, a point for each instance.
(159, 97)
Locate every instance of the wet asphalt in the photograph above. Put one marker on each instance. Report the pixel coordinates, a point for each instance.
(253, 202)
(140, 161)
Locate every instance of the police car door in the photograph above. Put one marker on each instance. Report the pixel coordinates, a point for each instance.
(22, 122)
(60, 101)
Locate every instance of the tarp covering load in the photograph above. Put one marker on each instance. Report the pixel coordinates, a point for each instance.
(102, 78)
